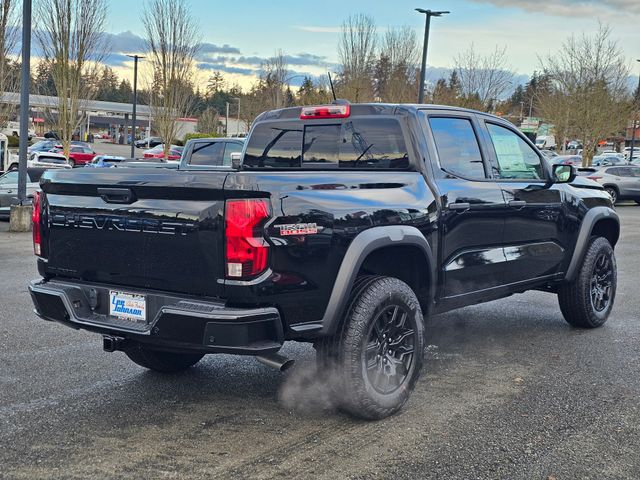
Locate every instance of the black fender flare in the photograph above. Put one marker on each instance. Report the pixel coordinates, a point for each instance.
(361, 246)
(592, 216)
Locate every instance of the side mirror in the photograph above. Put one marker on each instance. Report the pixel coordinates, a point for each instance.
(236, 160)
(563, 173)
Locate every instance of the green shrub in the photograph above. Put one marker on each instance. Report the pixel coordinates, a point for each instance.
(14, 142)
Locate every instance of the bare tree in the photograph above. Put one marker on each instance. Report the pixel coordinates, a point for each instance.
(9, 22)
(172, 41)
(69, 33)
(209, 121)
(356, 51)
(483, 78)
(396, 71)
(589, 74)
(274, 80)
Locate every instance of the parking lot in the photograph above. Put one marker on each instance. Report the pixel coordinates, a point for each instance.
(509, 391)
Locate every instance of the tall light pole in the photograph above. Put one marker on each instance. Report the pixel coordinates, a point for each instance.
(24, 101)
(635, 118)
(423, 71)
(135, 102)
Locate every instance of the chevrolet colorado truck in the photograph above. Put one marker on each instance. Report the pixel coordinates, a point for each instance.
(343, 225)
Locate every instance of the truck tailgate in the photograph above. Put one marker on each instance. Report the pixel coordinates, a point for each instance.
(144, 228)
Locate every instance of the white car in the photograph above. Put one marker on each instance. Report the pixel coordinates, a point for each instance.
(636, 151)
(47, 160)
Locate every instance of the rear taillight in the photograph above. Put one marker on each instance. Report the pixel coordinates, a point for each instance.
(246, 249)
(35, 220)
(325, 111)
(594, 177)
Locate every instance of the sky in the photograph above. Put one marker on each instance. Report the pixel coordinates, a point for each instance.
(237, 36)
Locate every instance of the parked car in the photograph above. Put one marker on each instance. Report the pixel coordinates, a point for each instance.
(104, 161)
(42, 146)
(158, 152)
(620, 182)
(9, 189)
(52, 134)
(148, 142)
(47, 160)
(13, 128)
(574, 145)
(575, 160)
(549, 154)
(79, 155)
(612, 153)
(546, 142)
(344, 226)
(8, 160)
(607, 160)
(636, 150)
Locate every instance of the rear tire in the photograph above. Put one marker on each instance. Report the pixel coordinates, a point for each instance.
(72, 162)
(159, 361)
(377, 353)
(586, 302)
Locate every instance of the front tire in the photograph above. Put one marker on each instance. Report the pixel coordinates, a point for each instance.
(377, 354)
(72, 163)
(586, 302)
(159, 361)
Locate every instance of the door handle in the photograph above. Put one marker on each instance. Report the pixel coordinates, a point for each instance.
(517, 203)
(460, 206)
(116, 195)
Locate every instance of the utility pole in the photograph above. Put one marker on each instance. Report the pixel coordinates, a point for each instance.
(135, 102)
(635, 119)
(24, 101)
(226, 122)
(423, 71)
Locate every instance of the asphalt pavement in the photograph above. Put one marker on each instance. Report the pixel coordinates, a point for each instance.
(509, 391)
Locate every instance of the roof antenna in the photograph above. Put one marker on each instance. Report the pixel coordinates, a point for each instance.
(333, 92)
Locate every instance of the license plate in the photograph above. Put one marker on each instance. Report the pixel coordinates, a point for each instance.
(128, 306)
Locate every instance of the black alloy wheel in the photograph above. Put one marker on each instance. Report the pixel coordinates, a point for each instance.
(390, 349)
(601, 283)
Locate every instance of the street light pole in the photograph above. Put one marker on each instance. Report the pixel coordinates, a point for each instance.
(24, 101)
(135, 102)
(423, 71)
(635, 119)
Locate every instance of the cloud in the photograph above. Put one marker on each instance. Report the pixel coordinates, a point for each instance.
(318, 29)
(570, 8)
(116, 59)
(206, 51)
(125, 42)
(226, 68)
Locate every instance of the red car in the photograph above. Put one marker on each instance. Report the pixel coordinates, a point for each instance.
(79, 155)
(175, 152)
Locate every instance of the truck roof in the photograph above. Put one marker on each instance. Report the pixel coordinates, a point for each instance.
(370, 109)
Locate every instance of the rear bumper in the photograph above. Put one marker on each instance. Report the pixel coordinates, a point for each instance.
(173, 323)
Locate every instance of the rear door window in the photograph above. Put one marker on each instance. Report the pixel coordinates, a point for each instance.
(457, 147)
(207, 153)
(359, 143)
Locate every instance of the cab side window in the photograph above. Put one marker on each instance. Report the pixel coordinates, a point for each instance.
(457, 146)
(516, 158)
(207, 153)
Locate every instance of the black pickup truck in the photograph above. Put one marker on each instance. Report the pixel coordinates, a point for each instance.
(344, 225)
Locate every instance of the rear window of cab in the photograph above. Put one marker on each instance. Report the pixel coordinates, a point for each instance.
(356, 143)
